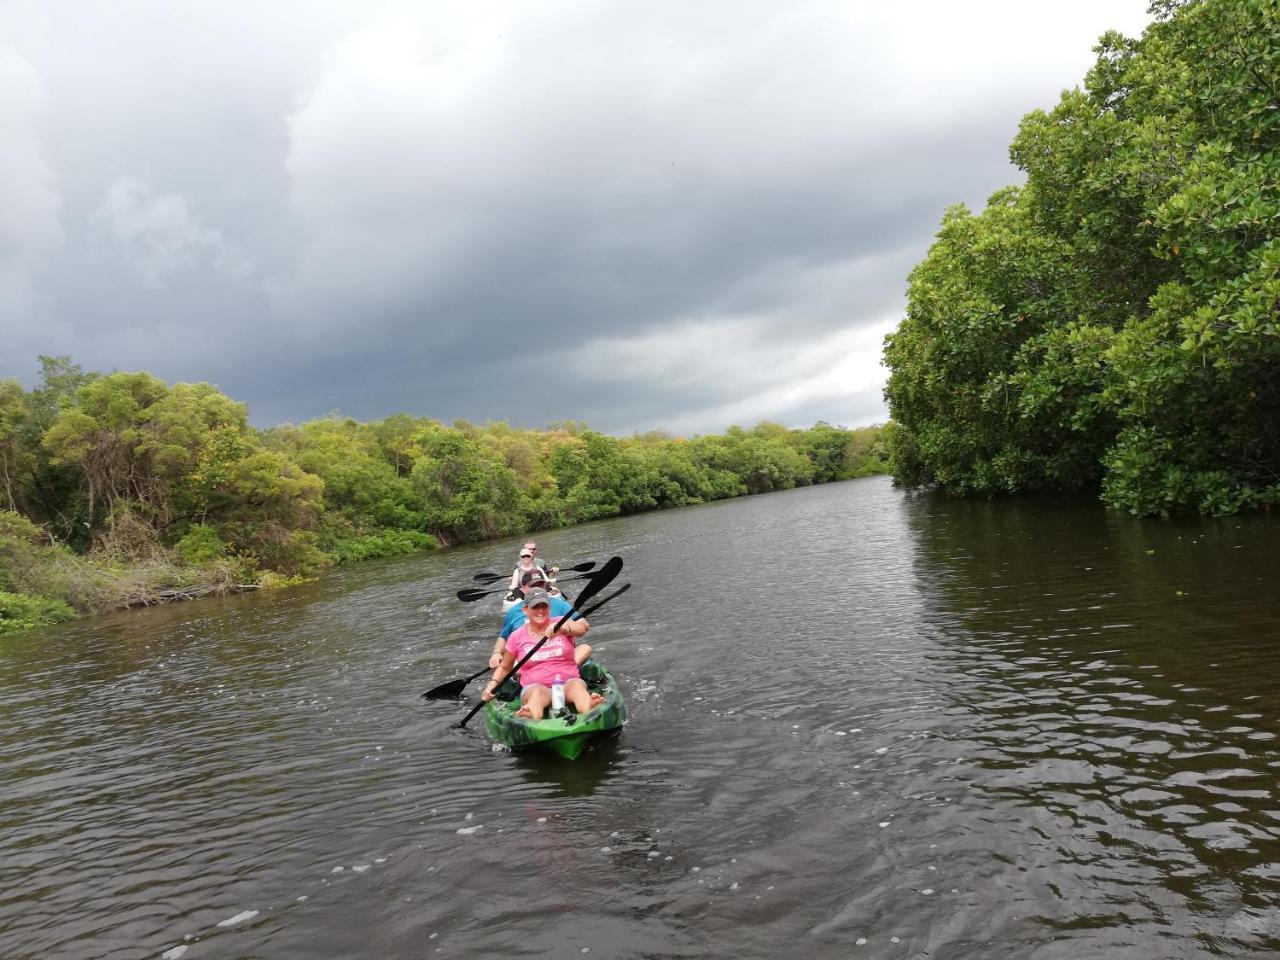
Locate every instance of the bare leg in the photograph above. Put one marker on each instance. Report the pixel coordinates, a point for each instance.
(581, 652)
(576, 692)
(534, 702)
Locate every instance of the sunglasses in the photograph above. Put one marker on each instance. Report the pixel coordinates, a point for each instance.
(526, 556)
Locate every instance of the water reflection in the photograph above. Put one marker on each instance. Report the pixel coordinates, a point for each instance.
(580, 779)
(1118, 680)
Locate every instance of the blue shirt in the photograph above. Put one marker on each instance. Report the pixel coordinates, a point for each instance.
(515, 617)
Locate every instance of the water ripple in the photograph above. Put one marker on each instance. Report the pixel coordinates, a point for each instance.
(863, 723)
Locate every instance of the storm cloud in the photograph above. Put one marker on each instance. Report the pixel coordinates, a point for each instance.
(646, 216)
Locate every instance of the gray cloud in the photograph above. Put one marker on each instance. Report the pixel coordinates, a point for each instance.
(638, 215)
(158, 235)
(30, 202)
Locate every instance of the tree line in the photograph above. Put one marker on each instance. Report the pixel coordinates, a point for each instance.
(1112, 325)
(120, 489)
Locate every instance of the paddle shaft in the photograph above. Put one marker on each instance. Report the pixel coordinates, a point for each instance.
(471, 593)
(601, 580)
(576, 568)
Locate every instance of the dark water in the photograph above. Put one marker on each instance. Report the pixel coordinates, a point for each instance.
(864, 724)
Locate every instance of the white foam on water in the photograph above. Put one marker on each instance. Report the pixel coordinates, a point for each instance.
(301, 898)
(860, 942)
(468, 831)
(926, 891)
(882, 750)
(884, 823)
(379, 859)
(360, 867)
(895, 939)
(238, 918)
(338, 869)
(174, 953)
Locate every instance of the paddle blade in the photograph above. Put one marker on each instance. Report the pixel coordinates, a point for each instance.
(581, 567)
(446, 691)
(467, 596)
(488, 575)
(595, 583)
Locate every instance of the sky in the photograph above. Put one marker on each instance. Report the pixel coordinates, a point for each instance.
(646, 216)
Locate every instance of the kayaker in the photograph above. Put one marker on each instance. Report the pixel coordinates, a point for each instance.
(515, 618)
(524, 567)
(529, 560)
(553, 661)
(532, 547)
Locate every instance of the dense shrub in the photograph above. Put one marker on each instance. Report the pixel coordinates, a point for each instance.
(171, 492)
(1112, 325)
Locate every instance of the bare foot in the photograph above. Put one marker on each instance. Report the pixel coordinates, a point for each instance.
(524, 712)
(596, 700)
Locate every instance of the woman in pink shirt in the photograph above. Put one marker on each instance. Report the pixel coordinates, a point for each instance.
(553, 659)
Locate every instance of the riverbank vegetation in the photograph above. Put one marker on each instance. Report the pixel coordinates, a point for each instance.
(1113, 324)
(119, 489)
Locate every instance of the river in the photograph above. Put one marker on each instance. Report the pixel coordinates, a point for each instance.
(864, 723)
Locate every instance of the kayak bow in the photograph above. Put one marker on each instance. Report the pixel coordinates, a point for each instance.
(568, 734)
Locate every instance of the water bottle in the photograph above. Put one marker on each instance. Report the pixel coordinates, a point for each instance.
(557, 695)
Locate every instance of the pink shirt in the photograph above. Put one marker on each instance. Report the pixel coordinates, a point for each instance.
(554, 658)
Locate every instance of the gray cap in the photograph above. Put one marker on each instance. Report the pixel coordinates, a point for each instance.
(536, 596)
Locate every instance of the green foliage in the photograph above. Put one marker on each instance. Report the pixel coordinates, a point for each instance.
(166, 488)
(19, 553)
(466, 490)
(201, 546)
(387, 544)
(1112, 325)
(19, 612)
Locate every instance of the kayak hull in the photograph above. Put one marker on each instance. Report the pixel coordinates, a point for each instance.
(567, 735)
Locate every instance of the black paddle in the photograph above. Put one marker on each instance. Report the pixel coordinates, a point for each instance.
(453, 689)
(495, 577)
(471, 593)
(601, 579)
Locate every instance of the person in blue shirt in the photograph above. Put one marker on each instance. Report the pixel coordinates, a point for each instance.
(515, 618)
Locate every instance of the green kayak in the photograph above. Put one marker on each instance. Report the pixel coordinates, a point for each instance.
(568, 734)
